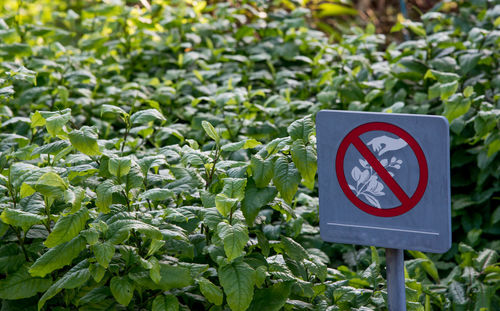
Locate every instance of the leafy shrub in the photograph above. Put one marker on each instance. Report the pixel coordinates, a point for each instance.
(164, 157)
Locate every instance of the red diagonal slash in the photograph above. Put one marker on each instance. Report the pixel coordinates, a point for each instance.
(381, 171)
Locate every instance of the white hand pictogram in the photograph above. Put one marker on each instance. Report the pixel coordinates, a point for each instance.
(383, 144)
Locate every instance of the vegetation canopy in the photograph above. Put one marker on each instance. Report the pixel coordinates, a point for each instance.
(162, 155)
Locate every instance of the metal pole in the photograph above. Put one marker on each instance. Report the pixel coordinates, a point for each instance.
(395, 279)
(404, 11)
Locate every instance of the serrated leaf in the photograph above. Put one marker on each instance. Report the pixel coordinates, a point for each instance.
(174, 277)
(234, 237)
(212, 292)
(103, 253)
(22, 219)
(457, 293)
(118, 231)
(293, 249)
(119, 166)
(286, 178)
(21, 284)
(244, 144)
(104, 196)
(305, 160)
(165, 303)
(224, 204)
(262, 171)
(85, 140)
(237, 280)
(51, 148)
(234, 188)
(485, 258)
(56, 122)
(67, 227)
(145, 116)
(301, 128)
(75, 277)
(122, 289)
(51, 185)
(272, 298)
(157, 194)
(255, 199)
(58, 257)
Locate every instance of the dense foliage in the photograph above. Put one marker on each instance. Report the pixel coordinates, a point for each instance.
(163, 157)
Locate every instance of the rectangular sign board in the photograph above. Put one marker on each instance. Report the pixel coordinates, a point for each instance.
(384, 179)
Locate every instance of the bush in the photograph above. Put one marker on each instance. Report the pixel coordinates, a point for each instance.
(164, 157)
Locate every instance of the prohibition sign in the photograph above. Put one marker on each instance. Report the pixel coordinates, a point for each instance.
(407, 202)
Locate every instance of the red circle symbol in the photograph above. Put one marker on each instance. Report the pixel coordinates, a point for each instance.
(407, 202)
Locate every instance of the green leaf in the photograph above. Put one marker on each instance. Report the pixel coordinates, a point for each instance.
(457, 293)
(244, 144)
(293, 249)
(210, 130)
(332, 9)
(302, 128)
(237, 280)
(51, 185)
(104, 196)
(234, 188)
(468, 61)
(103, 253)
(174, 277)
(212, 292)
(165, 303)
(286, 178)
(21, 284)
(262, 171)
(442, 77)
(428, 265)
(119, 230)
(485, 258)
(56, 122)
(224, 204)
(456, 107)
(122, 289)
(21, 219)
(468, 91)
(11, 258)
(51, 148)
(255, 199)
(305, 160)
(272, 298)
(448, 89)
(58, 257)
(145, 116)
(119, 166)
(85, 140)
(234, 237)
(112, 109)
(75, 277)
(157, 194)
(67, 227)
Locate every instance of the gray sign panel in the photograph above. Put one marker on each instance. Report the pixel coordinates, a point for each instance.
(384, 180)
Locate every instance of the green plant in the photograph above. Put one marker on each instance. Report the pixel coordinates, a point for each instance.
(162, 156)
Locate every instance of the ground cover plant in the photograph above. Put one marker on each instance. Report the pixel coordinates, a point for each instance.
(161, 156)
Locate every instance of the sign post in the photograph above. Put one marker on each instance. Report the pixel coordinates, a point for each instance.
(384, 180)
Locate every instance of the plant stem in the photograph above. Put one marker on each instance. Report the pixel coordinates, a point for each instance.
(21, 241)
(212, 171)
